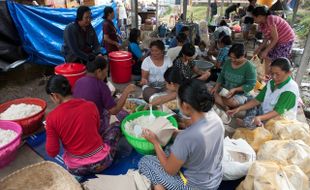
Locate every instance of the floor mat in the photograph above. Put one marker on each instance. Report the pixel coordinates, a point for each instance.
(120, 166)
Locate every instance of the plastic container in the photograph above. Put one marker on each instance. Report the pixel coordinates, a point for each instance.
(8, 151)
(120, 66)
(141, 145)
(72, 71)
(32, 123)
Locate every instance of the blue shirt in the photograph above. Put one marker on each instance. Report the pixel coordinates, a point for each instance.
(174, 42)
(135, 49)
(223, 54)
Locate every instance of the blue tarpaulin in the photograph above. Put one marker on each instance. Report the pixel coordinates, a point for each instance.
(41, 29)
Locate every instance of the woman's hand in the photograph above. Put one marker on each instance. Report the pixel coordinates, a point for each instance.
(257, 121)
(214, 90)
(264, 55)
(233, 111)
(150, 136)
(130, 88)
(144, 81)
(231, 92)
(256, 52)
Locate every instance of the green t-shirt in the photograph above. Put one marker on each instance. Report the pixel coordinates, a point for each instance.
(286, 100)
(244, 76)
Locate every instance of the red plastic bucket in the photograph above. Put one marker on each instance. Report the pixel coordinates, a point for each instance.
(120, 66)
(72, 71)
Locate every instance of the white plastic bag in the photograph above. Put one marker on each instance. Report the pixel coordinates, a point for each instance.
(237, 159)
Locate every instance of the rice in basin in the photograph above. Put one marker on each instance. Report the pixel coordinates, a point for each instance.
(20, 111)
(143, 121)
(6, 136)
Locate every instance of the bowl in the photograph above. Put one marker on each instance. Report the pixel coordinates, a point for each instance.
(203, 65)
(32, 123)
(8, 151)
(141, 145)
(137, 103)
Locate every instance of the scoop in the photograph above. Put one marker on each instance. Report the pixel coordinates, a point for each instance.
(151, 116)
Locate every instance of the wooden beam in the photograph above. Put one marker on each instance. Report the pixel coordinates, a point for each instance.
(304, 63)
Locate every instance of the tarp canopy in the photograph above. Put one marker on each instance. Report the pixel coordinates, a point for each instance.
(41, 29)
(10, 44)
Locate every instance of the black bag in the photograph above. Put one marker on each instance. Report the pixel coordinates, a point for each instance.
(248, 20)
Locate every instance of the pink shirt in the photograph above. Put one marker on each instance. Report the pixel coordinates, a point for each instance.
(285, 31)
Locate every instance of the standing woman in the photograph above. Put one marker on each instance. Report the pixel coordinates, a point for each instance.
(278, 36)
(110, 38)
(153, 69)
(197, 151)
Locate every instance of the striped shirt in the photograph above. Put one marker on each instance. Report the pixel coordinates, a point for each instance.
(285, 31)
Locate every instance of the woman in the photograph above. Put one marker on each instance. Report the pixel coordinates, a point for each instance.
(137, 54)
(278, 97)
(198, 150)
(238, 75)
(184, 62)
(80, 40)
(93, 88)
(110, 36)
(174, 79)
(248, 20)
(153, 69)
(75, 123)
(278, 36)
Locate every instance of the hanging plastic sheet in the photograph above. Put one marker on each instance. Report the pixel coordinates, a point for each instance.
(41, 29)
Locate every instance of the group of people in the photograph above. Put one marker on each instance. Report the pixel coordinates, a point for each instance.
(81, 120)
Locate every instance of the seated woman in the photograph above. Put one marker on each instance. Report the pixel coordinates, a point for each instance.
(75, 124)
(224, 45)
(174, 79)
(278, 97)
(137, 54)
(197, 150)
(80, 39)
(153, 69)
(238, 75)
(93, 88)
(184, 62)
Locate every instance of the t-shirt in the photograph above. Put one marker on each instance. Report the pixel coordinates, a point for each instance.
(110, 30)
(92, 89)
(244, 76)
(285, 31)
(76, 124)
(286, 100)
(156, 74)
(186, 69)
(231, 8)
(135, 50)
(223, 54)
(200, 146)
(174, 52)
(221, 29)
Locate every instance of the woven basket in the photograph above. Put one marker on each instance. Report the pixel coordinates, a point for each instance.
(41, 176)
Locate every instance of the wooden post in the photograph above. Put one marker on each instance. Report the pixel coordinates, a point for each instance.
(222, 8)
(295, 12)
(208, 11)
(134, 14)
(304, 63)
(184, 9)
(157, 8)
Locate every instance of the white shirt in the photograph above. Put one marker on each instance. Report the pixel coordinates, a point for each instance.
(174, 52)
(156, 74)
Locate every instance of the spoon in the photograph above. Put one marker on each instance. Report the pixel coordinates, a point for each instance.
(152, 116)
